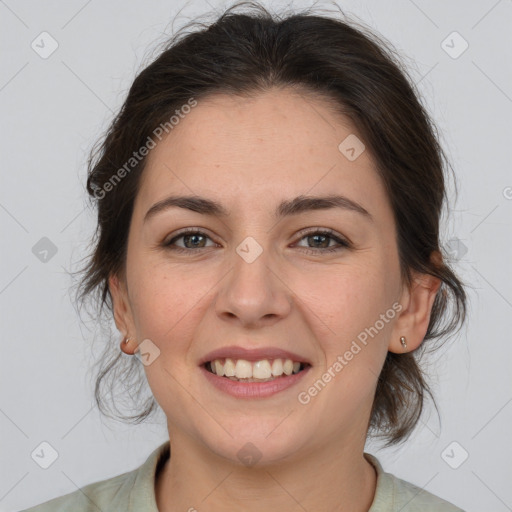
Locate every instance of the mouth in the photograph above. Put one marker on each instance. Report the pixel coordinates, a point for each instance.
(264, 370)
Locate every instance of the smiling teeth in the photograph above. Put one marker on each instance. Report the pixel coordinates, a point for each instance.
(240, 369)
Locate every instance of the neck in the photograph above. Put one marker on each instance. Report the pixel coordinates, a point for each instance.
(332, 478)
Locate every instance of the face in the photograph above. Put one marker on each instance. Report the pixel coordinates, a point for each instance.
(323, 284)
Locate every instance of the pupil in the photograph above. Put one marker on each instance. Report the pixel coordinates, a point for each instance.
(189, 237)
(319, 236)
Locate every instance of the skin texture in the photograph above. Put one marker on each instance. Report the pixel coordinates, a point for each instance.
(250, 154)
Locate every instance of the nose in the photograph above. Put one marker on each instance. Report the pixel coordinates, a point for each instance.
(254, 294)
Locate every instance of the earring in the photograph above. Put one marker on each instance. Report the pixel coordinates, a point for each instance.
(124, 345)
(403, 341)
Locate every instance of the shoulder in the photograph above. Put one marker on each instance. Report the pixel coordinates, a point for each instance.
(130, 491)
(93, 497)
(411, 498)
(393, 494)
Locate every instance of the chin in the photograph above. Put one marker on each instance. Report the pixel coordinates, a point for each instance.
(256, 444)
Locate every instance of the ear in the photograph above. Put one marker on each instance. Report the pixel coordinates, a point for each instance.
(121, 305)
(417, 301)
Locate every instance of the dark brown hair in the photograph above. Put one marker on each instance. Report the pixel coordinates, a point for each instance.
(245, 53)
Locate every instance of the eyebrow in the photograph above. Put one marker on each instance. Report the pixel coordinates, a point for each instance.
(286, 208)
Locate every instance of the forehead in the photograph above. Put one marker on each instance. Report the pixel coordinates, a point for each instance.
(275, 144)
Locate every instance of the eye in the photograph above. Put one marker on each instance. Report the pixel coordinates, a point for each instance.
(192, 239)
(322, 239)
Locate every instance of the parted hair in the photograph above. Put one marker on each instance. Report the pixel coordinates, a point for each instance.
(246, 50)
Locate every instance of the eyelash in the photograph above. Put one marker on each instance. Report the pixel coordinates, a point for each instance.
(343, 244)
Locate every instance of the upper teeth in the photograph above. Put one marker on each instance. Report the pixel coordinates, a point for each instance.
(264, 369)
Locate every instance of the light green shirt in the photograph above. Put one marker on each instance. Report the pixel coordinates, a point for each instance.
(134, 491)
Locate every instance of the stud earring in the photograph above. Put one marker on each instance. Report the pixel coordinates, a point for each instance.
(124, 344)
(403, 341)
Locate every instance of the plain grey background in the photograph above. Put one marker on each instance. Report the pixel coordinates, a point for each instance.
(54, 107)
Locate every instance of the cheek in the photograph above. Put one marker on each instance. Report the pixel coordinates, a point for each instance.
(344, 309)
(353, 310)
(169, 304)
(347, 298)
(167, 301)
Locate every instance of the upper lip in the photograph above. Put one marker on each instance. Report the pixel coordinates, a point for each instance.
(256, 354)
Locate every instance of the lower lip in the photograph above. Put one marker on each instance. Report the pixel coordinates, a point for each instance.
(241, 389)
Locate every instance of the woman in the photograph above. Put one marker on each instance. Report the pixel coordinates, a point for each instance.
(268, 202)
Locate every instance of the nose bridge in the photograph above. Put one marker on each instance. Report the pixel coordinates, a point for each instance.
(251, 292)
